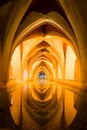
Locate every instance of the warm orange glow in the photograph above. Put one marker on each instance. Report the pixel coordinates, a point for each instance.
(70, 111)
(59, 73)
(27, 64)
(39, 89)
(16, 64)
(70, 63)
(77, 73)
(25, 74)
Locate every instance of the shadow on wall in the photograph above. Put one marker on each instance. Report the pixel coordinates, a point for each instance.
(80, 121)
(6, 120)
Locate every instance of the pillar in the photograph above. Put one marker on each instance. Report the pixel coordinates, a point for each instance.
(77, 70)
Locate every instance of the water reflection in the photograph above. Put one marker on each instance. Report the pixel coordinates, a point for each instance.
(40, 105)
(50, 106)
(41, 81)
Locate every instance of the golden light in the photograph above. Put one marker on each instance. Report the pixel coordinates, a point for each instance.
(70, 63)
(15, 65)
(25, 74)
(27, 65)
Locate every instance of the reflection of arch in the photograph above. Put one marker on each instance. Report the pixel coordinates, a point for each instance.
(23, 28)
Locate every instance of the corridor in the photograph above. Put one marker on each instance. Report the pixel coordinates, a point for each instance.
(43, 65)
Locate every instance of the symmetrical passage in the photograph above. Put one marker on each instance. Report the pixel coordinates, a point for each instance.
(43, 65)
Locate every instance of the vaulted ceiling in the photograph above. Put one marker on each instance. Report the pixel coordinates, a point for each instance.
(46, 25)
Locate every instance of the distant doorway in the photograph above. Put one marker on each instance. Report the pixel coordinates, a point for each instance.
(42, 77)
